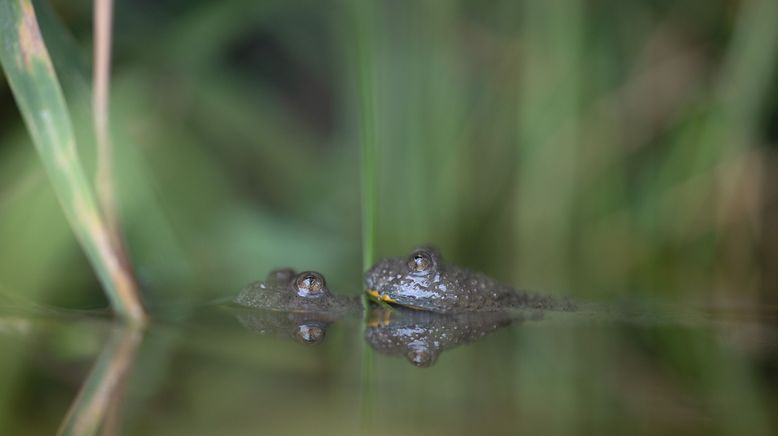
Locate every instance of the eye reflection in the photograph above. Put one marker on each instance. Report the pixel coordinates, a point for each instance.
(309, 334)
(421, 357)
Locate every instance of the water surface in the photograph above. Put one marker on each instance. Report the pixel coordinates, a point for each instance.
(553, 373)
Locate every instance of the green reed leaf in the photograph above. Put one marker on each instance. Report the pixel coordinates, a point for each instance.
(30, 73)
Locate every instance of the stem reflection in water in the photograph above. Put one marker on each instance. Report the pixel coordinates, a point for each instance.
(99, 400)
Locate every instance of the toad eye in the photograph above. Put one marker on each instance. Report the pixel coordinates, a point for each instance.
(309, 283)
(420, 261)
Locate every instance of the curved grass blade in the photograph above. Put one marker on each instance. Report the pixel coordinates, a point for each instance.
(30, 73)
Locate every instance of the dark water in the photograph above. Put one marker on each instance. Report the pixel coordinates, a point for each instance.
(690, 372)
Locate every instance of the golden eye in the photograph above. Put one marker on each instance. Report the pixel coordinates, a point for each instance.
(420, 261)
(309, 283)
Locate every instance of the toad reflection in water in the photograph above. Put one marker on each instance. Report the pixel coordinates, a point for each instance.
(304, 327)
(421, 336)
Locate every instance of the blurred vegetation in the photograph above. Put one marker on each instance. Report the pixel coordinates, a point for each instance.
(591, 148)
(596, 148)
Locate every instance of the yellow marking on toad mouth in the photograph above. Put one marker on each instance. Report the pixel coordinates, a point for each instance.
(373, 293)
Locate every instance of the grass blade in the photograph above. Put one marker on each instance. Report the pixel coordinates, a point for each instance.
(365, 76)
(101, 77)
(30, 73)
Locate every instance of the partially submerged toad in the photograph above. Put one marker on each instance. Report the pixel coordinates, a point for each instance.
(424, 281)
(286, 291)
(293, 305)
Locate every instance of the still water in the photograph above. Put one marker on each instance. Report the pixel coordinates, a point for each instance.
(225, 370)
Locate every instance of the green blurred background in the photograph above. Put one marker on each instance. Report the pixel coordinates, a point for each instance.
(594, 148)
(601, 149)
